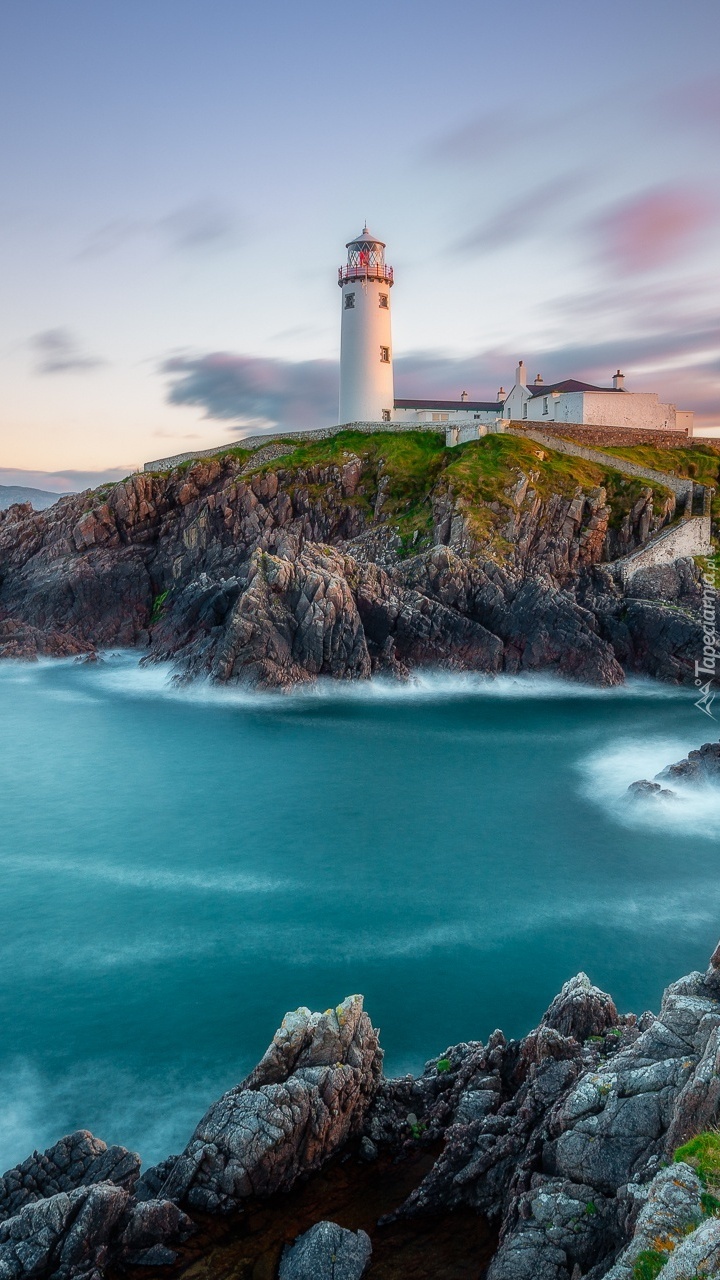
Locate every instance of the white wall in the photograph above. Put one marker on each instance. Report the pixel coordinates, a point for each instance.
(366, 382)
(514, 402)
(447, 415)
(639, 409)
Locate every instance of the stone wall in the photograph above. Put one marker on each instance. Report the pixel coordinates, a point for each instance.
(680, 485)
(621, 437)
(291, 438)
(690, 537)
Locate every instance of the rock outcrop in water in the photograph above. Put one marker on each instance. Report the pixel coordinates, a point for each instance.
(698, 768)
(564, 1139)
(364, 555)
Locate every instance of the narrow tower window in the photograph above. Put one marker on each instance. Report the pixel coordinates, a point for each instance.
(349, 301)
(385, 355)
(383, 300)
(386, 415)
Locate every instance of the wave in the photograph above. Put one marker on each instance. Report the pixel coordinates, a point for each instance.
(128, 678)
(224, 882)
(152, 1115)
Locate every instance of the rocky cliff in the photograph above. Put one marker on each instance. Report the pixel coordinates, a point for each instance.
(588, 1150)
(350, 556)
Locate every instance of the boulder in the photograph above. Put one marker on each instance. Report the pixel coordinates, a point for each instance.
(78, 1160)
(581, 1010)
(671, 1208)
(65, 1235)
(326, 1252)
(306, 1097)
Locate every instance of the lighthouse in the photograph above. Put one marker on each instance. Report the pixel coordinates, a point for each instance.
(366, 370)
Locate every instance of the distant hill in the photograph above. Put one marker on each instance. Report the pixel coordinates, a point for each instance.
(40, 498)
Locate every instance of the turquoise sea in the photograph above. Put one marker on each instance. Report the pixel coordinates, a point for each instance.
(181, 866)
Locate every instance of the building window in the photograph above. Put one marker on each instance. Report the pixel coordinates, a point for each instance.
(383, 301)
(385, 355)
(386, 415)
(349, 301)
(525, 409)
(440, 417)
(545, 405)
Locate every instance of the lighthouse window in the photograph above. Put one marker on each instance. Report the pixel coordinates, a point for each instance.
(383, 300)
(349, 301)
(385, 355)
(386, 415)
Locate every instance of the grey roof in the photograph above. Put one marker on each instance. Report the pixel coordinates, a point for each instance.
(365, 238)
(569, 384)
(448, 404)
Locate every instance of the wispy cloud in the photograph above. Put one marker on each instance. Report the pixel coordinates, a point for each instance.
(652, 228)
(696, 102)
(479, 138)
(193, 227)
(255, 391)
(520, 218)
(57, 351)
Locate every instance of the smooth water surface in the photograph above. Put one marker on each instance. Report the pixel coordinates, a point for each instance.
(180, 867)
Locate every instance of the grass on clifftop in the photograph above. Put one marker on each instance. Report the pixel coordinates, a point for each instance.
(483, 474)
(700, 462)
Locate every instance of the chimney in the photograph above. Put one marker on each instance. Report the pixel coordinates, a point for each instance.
(501, 393)
(618, 381)
(521, 374)
(538, 380)
(463, 396)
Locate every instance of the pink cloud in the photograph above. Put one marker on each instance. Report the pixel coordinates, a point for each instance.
(653, 228)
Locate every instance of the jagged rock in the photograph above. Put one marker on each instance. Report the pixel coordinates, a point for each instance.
(559, 1137)
(279, 576)
(151, 1224)
(581, 1010)
(672, 1207)
(561, 1227)
(698, 767)
(326, 1252)
(65, 1235)
(306, 1097)
(698, 1255)
(78, 1160)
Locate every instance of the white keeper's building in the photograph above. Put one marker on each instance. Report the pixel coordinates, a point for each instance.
(366, 373)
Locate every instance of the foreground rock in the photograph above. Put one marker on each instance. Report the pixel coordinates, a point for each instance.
(327, 1252)
(565, 1139)
(279, 576)
(300, 1105)
(80, 1232)
(79, 1160)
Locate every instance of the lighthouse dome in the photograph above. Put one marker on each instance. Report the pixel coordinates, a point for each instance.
(365, 239)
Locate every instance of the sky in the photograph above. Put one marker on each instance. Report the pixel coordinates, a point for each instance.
(180, 177)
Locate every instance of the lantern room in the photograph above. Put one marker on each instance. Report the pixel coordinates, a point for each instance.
(365, 261)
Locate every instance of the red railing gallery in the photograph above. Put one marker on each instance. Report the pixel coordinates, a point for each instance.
(362, 271)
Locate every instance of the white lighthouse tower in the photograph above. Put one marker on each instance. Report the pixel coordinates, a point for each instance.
(366, 371)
